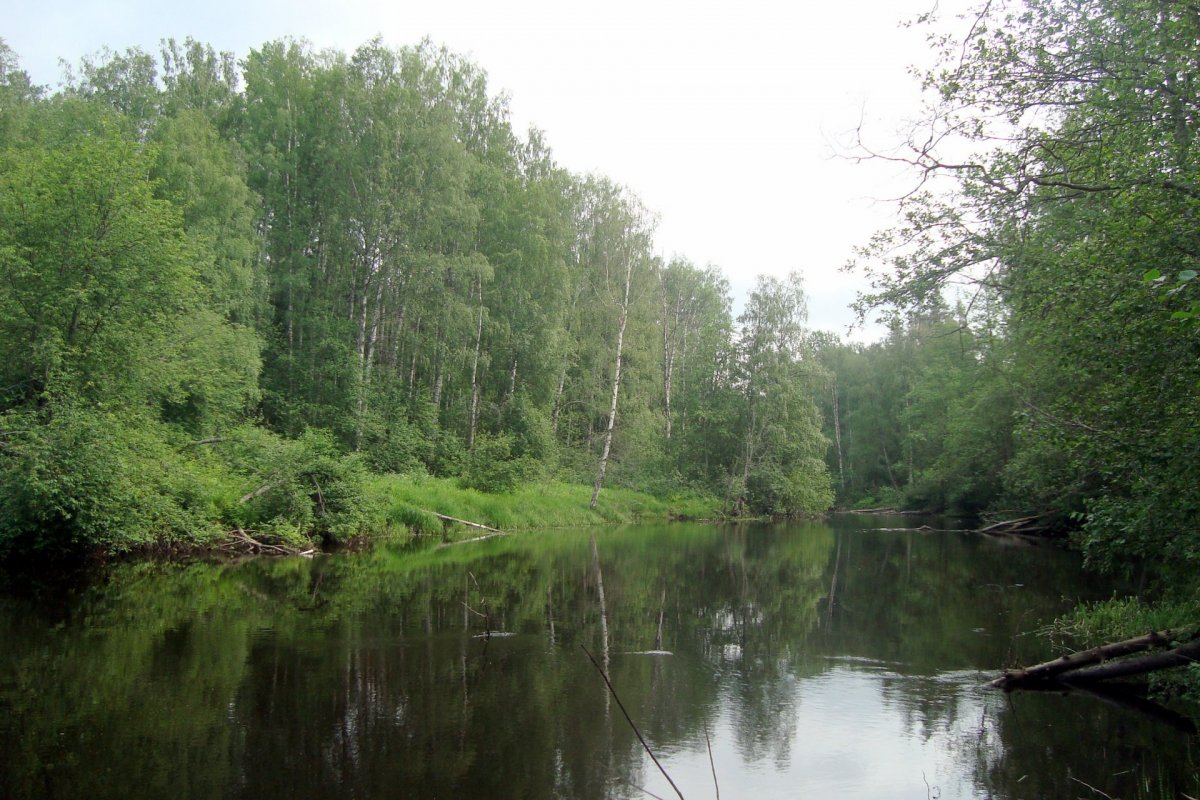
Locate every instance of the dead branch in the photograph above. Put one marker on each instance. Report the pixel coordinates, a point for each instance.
(320, 496)
(1177, 657)
(266, 487)
(468, 523)
(1014, 679)
(256, 546)
(629, 719)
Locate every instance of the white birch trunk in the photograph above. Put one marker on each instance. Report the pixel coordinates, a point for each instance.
(616, 386)
(475, 371)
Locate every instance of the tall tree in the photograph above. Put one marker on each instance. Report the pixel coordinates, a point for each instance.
(782, 469)
(615, 242)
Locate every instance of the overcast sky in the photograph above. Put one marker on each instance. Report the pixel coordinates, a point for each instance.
(728, 120)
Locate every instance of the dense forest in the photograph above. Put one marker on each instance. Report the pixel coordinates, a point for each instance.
(1044, 353)
(233, 290)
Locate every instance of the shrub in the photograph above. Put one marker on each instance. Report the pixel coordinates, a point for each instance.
(303, 484)
(74, 478)
(493, 468)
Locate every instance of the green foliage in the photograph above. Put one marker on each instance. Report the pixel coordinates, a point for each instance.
(494, 467)
(1073, 220)
(553, 504)
(357, 252)
(96, 269)
(75, 478)
(782, 470)
(305, 485)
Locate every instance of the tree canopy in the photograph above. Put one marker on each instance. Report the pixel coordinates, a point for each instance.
(232, 288)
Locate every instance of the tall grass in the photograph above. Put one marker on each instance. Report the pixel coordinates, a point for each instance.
(412, 501)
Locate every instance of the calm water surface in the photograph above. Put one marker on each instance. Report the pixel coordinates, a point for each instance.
(820, 660)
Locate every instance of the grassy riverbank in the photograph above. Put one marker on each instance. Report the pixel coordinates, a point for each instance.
(412, 503)
(390, 506)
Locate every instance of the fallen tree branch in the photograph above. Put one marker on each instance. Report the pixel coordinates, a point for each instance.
(1011, 525)
(1177, 657)
(266, 487)
(1013, 679)
(256, 546)
(629, 719)
(448, 518)
(209, 440)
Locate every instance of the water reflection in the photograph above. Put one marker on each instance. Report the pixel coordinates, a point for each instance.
(819, 659)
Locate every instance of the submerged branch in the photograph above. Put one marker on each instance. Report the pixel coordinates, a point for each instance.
(629, 719)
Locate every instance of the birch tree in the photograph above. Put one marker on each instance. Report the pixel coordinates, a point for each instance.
(615, 243)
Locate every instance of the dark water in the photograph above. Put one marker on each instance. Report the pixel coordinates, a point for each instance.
(821, 660)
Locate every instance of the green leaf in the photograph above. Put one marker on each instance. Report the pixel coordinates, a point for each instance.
(1187, 275)
(1152, 275)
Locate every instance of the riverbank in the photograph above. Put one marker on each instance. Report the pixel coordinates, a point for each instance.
(401, 506)
(413, 504)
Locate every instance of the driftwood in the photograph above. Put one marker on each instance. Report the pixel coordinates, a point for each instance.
(1070, 669)
(244, 541)
(1011, 679)
(1177, 657)
(468, 523)
(1012, 526)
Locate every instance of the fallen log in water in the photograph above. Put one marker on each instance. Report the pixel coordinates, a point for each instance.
(468, 523)
(1019, 525)
(1070, 668)
(1176, 657)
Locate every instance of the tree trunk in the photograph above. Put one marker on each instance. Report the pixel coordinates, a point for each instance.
(837, 435)
(1069, 663)
(670, 329)
(1178, 657)
(558, 394)
(366, 353)
(616, 386)
(475, 371)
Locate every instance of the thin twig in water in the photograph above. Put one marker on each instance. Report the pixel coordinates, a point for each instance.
(929, 795)
(629, 719)
(712, 764)
(646, 791)
(1093, 788)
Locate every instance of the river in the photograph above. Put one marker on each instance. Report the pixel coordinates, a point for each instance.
(844, 659)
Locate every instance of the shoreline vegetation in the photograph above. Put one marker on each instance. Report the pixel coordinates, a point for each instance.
(236, 291)
(440, 508)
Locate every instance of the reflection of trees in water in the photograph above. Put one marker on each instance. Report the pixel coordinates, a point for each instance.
(920, 606)
(362, 675)
(353, 675)
(1050, 743)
